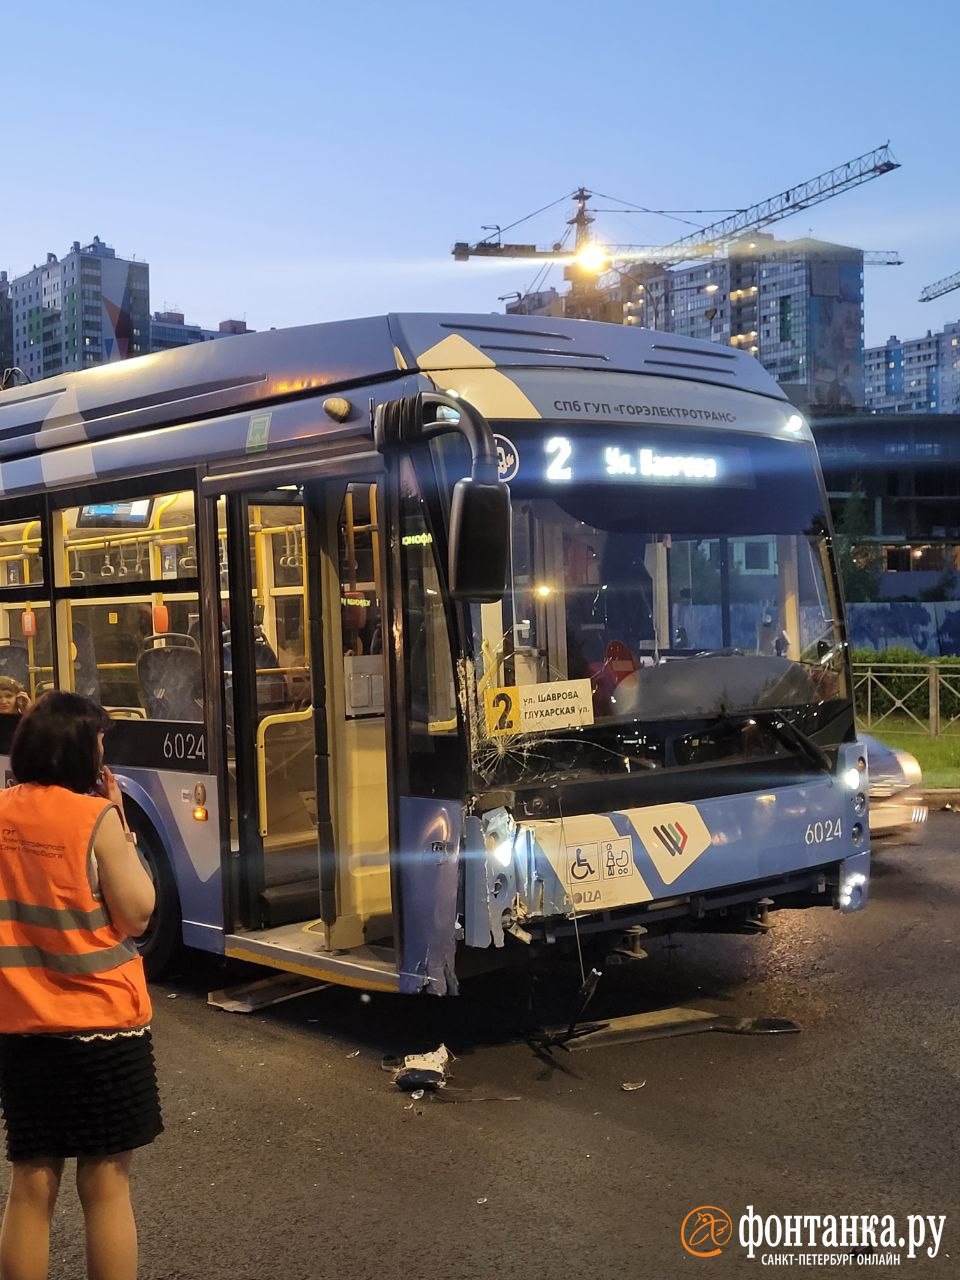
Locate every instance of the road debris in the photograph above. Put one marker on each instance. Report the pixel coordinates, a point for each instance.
(423, 1070)
(251, 997)
(629, 1086)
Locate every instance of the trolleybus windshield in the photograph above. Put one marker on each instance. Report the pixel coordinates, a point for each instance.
(665, 583)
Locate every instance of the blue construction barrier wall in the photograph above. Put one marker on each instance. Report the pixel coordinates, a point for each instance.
(930, 629)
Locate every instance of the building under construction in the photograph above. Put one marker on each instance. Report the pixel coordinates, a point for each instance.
(797, 305)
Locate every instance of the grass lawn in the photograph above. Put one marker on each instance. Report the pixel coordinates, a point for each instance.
(939, 757)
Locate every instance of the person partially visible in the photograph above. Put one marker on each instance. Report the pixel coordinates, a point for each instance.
(14, 699)
(77, 1075)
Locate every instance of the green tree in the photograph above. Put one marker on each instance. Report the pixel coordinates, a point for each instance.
(858, 560)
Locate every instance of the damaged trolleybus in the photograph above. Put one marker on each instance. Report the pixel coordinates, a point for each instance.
(429, 639)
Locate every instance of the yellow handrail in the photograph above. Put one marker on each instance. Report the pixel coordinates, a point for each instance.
(281, 717)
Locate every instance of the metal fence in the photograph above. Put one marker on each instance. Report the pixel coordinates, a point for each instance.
(920, 697)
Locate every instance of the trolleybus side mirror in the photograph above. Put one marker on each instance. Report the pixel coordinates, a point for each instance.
(479, 551)
(479, 544)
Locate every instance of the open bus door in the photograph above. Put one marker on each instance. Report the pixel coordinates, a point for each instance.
(306, 758)
(307, 690)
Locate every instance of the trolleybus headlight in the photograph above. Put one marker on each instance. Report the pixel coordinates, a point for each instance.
(851, 890)
(851, 779)
(503, 852)
(859, 802)
(500, 833)
(856, 833)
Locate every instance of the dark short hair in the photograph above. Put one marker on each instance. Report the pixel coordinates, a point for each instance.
(55, 744)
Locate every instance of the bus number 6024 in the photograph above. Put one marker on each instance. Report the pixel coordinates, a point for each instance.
(184, 746)
(821, 832)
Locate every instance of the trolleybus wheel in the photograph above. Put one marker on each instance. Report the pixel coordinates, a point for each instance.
(161, 943)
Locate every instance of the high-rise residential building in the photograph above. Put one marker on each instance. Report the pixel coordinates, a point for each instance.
(796, 305)
(6, 324)
(950, 367)
(87, 308)
(916, 375)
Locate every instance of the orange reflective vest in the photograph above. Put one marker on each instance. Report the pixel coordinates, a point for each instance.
(63, 965)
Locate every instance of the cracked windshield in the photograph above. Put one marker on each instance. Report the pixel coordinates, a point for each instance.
(664, 587)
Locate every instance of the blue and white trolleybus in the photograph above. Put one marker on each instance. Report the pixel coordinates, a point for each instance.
(432, 639)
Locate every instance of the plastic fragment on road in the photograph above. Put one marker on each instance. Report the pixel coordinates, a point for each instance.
(423, 1070)
(630, 1086)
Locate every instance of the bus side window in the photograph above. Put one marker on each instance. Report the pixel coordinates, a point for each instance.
(430, 679)
(25, 650)
(136, 653)
(360, 613)
(435, 744)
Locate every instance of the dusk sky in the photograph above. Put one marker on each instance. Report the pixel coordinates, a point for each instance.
(295, 162)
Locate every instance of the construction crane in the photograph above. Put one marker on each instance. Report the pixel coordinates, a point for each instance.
(587, 258)
(872, 164)
(940, 287)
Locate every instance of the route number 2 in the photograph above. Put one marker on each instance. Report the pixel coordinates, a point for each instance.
(501, 711)
(504, 702)
(559, 449)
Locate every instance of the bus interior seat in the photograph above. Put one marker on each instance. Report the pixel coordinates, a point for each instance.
(272, 692)
(15, 662)
(171, 677)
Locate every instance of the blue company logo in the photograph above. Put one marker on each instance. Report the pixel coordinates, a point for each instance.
(508, 458)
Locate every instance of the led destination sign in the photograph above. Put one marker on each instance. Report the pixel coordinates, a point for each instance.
(660, 466)
(594, 460)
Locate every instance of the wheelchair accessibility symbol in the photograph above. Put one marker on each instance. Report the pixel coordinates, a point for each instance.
(583, 862)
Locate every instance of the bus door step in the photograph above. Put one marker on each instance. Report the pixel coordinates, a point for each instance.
(660, 1023)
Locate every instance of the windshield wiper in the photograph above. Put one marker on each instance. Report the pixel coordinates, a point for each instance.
(784, 731)
(789, 734)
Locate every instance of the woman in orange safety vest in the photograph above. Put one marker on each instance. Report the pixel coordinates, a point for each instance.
(77, 1075)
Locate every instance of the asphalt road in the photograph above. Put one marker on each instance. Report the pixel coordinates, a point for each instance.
(289, 1153)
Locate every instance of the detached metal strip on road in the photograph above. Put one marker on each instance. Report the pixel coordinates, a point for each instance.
(661, 1023)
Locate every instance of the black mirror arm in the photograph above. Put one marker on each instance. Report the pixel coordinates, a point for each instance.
(402, 422)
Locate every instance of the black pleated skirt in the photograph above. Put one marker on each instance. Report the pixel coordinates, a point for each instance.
(64, 1096)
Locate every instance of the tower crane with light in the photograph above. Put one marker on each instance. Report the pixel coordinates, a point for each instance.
(588, 259)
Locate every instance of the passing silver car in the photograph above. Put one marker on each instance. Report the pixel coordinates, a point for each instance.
(897, 806)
